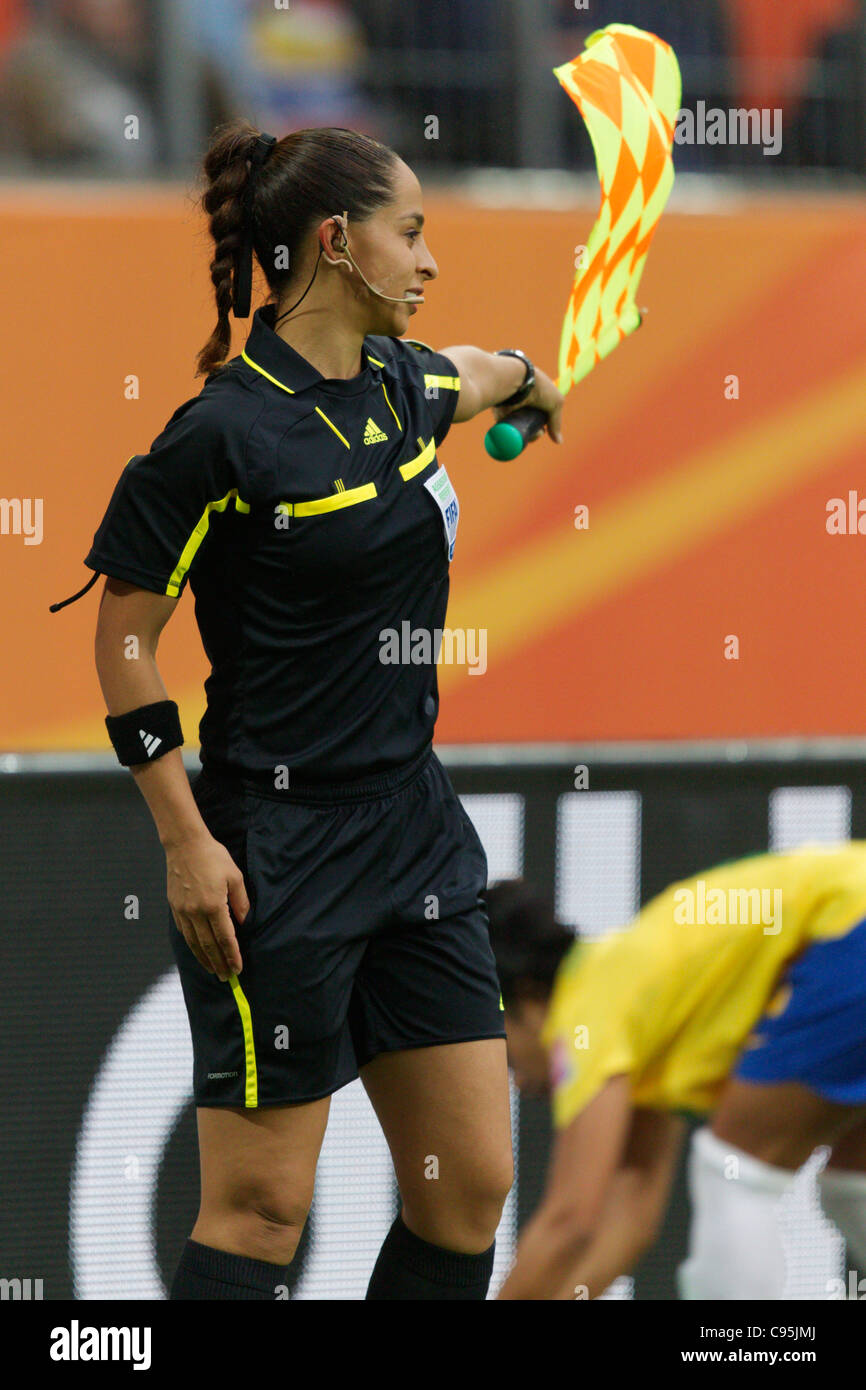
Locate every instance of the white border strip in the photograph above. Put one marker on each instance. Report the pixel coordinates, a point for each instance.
(480, 755)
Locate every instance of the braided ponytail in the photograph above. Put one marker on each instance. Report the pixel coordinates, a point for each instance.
(226, 168)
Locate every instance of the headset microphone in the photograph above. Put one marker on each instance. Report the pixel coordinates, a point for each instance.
(344, 246)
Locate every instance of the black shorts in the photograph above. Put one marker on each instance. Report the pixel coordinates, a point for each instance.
(367, 932)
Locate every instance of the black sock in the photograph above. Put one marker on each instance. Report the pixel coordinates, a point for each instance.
(411, 1268)
(205, 1273)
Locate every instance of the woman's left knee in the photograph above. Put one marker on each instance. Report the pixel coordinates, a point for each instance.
(498, 1180)
(482, 1194)
(468, 1206)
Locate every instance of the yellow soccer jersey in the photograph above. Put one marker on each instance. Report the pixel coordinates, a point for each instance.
(672, 999)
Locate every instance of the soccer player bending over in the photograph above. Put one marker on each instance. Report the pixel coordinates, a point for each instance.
(737, 996)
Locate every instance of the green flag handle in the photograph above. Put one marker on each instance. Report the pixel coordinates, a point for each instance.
(508, 438)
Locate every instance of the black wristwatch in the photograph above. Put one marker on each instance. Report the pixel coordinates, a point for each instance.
(528, 381)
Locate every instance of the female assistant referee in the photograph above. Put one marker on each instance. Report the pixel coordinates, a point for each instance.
(326, 886)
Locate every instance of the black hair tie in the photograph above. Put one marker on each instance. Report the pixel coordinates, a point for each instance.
(243, 277)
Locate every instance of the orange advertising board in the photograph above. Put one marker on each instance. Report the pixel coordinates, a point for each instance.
(684, 565)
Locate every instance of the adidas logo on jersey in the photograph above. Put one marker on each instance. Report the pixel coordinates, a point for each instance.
(372, 433)
(150, 741)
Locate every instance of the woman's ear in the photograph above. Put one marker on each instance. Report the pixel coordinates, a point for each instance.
(338, 242)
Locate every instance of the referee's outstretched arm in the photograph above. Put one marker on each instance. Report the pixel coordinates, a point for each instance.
(488, 378)
(202, 876)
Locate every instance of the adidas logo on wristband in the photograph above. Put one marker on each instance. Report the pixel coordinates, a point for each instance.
(128, 737)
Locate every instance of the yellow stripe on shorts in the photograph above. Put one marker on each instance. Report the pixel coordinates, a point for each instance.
(251, 1085)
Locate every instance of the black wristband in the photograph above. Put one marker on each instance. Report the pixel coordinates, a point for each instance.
(524, 389)
(145, 733)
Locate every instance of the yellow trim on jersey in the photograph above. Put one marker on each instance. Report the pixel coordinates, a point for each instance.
(408, 470)
(251, 1083)
(390, 406)
(187, 555)
(343, 497)
(448, 383)
(281, 385)
(333, 427)
(415, 465)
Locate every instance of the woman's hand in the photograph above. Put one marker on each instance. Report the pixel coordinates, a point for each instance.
(203, 880)
(544, 396)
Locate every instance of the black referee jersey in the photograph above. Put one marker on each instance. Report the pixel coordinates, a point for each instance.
(314, 523)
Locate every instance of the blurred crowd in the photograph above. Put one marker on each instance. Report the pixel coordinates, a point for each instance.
(74, 72)
(85, 84)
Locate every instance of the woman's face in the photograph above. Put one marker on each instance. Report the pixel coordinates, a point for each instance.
(390, 249)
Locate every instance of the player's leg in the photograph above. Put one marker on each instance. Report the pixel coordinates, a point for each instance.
(269, 1049)
(800, 1081)
(258, 1170)
(446, 1116)
(427, 1029)
(842, 1187)
(739, 1168)
(779, 1124)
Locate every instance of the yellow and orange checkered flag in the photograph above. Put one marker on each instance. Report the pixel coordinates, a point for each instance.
(627, 87)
